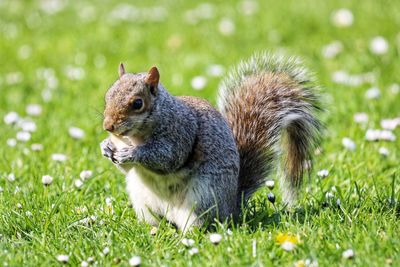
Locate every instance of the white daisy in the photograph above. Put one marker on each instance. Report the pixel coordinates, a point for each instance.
(33, 109)
(379, 45)
(27, 126)
(215, 70)
(270, 184)
(47, 179)
(188, 242)
(199, 82)
(78, 183)
(342, 18)
(329, 195)
(215, 238)
(106, 250)
(323, 173)
(153, 230)
(108, 201)
(11, 142)
(63, 258)
(226, 26)
(348, 144)
(23, 136)
(76, 133)
(384, 151)
(332, 50)
(37, 147)
(11, 177)
(58, 157)
(193, 251)
(135, 261)
(85, 174)
(288, 246)
(373, 93)
(390, 124)
(348, 254)
(361, 117)
(17, 190)
(375, 135)
(340, 77)
(11, 117)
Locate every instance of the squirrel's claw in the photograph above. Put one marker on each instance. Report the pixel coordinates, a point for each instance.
(124, 155)
(107, 149)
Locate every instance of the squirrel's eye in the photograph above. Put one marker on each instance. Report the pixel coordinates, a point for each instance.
(137, 104)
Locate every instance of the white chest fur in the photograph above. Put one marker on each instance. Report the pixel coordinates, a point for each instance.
(151, 193)
(166, 195)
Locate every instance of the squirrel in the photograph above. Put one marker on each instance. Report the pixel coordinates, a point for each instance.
(188, 162)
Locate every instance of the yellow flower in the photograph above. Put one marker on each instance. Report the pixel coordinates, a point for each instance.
(287, 237)
(300, 263)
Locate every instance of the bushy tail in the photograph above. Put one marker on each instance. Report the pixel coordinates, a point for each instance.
(269, 103)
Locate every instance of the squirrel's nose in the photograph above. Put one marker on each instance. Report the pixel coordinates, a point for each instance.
(108, 125)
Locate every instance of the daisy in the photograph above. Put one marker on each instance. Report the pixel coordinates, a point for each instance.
(11, 117)
(63, 258)
(342, 18)
(135, 261)
(322, 173)
(348, 144)
(33, 109)
(58, 157)
(85, 174)
(379, 45)
(76, 133)
(188, 242)
(215, 238)
(199, 82)
(270, 184)
(47, 179)
(348, 254)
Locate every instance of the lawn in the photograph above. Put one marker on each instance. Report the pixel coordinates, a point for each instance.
(59, 57)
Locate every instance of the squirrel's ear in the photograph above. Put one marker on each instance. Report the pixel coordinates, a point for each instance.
(152, 79)
(121, 70)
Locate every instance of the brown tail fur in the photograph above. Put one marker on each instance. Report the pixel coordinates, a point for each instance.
(270, 105)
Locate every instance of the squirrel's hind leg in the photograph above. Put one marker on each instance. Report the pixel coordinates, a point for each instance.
(183, 217)
(212, 201)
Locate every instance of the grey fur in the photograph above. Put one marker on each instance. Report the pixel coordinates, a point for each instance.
(187, 161)
(190, 141)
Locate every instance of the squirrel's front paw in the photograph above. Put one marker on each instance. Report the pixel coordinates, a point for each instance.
(107, 148)
(124, 155)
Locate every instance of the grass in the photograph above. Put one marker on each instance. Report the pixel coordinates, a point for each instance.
(71, 52)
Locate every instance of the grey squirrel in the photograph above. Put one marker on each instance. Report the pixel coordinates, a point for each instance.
(188, 162)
